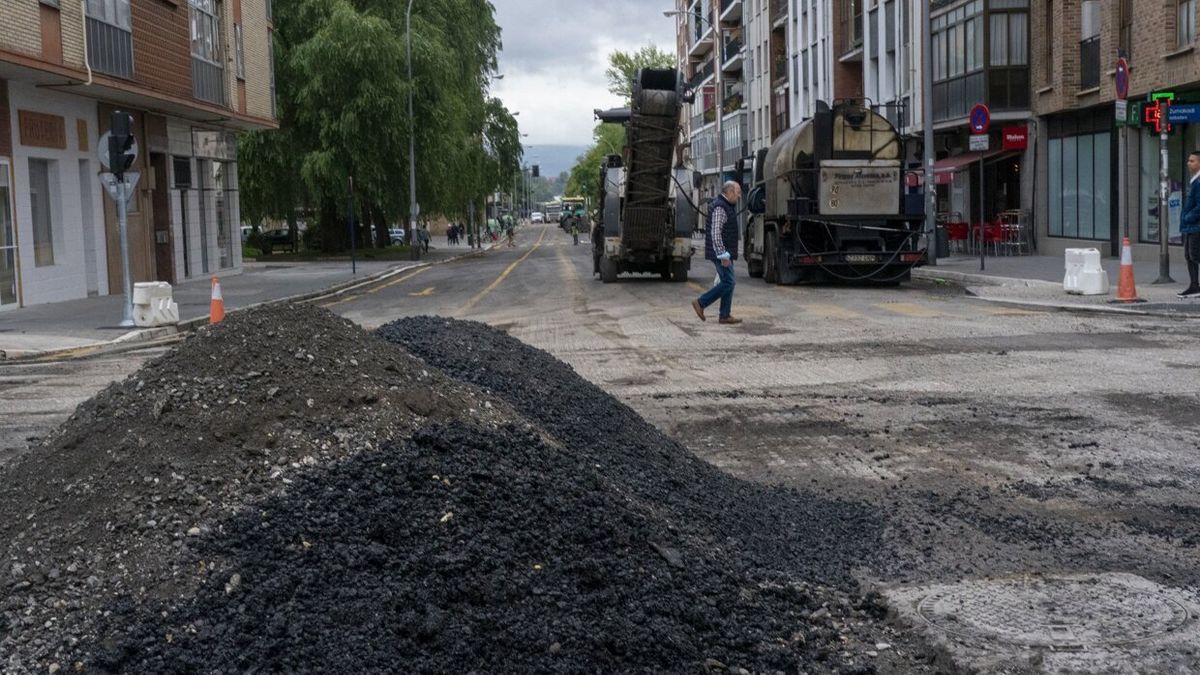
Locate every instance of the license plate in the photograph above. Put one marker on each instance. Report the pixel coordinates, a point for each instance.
(861, 258)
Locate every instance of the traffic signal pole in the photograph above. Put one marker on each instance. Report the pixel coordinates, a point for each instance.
(119, 140)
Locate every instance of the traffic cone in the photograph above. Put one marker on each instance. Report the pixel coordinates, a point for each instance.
(216, 310)
(1126, 289)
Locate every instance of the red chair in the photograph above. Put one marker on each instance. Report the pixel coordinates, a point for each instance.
(958, 233)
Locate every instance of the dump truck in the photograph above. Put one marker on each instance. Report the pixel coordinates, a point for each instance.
(829, 202)
(644, 218)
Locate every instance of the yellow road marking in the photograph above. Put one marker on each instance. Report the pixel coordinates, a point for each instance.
(423, 294)
(910, 309)
(355, 296)
(696, 286)
(503, 275)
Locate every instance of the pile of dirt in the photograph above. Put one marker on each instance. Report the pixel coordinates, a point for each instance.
(287, 493)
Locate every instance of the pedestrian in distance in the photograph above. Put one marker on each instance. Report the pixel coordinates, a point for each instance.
(575, 230)
(1189, 227)
(721, 247)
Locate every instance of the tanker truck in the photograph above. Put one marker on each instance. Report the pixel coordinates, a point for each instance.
(828, 203)
(644, 220)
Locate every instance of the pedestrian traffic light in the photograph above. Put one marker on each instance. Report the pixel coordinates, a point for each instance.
(120, 143)
(536, 171)
(1155, 115)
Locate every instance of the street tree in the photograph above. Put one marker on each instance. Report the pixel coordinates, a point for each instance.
(623, 67)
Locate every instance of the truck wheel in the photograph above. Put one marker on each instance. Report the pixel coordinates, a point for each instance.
(754, 268)
(770, 260)
(679, 271)
(597, 256)
(664, 272)
(608, 270)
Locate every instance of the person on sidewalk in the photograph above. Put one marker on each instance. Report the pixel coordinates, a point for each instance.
(721, 247)
(1189, 227)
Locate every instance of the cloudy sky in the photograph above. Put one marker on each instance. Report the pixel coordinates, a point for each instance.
(555, 53)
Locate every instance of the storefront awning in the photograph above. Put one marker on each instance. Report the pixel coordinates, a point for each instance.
(944, 169)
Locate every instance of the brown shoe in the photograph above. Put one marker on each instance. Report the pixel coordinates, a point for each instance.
(699, 310)
(730, 320)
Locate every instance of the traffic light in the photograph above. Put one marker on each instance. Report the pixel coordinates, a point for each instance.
(537, 173)
(120, 142)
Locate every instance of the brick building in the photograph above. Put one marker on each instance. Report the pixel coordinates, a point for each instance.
(1078, 169)
(191, 72)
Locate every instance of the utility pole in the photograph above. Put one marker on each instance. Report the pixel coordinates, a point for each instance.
(927, 130)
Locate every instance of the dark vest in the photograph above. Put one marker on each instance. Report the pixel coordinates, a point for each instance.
(729, 234)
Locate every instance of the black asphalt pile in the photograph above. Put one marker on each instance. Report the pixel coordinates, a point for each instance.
(489, 552)
(809, 537)
(105, 507)
(287, 493)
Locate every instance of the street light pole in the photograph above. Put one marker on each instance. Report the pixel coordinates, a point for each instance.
(414, 251)
(927, 130)
(719, 81)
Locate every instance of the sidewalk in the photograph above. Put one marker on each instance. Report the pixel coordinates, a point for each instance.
(79, 324)
(1037, 281)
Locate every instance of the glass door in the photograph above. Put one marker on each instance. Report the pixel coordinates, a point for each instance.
(8, 239)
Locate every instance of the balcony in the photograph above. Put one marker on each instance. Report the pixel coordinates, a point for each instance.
(735, 143)
(731, 11)
(110, 49)
(732, 55)
(1089, 63)
(701, 45)
(701, 74)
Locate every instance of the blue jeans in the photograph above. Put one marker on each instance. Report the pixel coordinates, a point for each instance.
(722, 291)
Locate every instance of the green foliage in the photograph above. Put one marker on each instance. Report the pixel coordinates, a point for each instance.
(342, 100)
(584, 181)
(623, 66)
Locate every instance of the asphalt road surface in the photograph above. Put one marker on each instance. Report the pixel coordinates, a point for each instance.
(1003, 442)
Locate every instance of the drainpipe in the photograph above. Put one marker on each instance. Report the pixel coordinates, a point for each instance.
(86, 63)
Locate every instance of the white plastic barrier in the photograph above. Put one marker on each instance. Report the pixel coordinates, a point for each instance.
(1084, 275)
(153, 304)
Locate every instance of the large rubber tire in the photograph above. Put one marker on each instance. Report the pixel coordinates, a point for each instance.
(770, 258)
(679, 271)
(754, 268)
(608, 270)
(664, 272)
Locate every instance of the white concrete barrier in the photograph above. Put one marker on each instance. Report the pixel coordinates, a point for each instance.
(1084, 275)
(153, 304)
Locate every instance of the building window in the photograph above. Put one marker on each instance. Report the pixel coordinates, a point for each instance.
(1089, 46)
(958, 61)
(239, 51)
(1079, 183)
(208, 75)
(8, 240)
(1185, 23)
(1048, 44)
(1126, 28)
(110, 37)
(41, 208)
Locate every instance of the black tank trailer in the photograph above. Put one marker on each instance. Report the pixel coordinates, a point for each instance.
(829, 202)
(645, 218)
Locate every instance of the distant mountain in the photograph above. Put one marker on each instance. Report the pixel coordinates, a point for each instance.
(554, 159)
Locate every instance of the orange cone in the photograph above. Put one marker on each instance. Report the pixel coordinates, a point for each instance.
(216, 310)
(1126, 289)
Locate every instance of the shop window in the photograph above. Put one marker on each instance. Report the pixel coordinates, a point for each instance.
(1079, 185)
(1179, 144)
(41, 208)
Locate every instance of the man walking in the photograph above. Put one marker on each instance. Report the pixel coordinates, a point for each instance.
(1189, 227)
(721, 247)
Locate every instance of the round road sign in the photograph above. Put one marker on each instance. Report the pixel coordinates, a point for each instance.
(1122, 79)
(981, 119)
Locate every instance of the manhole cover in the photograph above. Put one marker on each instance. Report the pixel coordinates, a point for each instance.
(1069, 612)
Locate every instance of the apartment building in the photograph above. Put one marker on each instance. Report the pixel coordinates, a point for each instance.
(1078, 138)
(712, 51)
(981, 55)
(191, 73)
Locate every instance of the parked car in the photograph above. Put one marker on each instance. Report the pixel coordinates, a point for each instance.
(246, 230)
(273, 240)
(396, 235)
(537, 217)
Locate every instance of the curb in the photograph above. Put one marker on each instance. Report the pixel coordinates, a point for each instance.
(964, 278)
(165, 334)
(967, 279)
